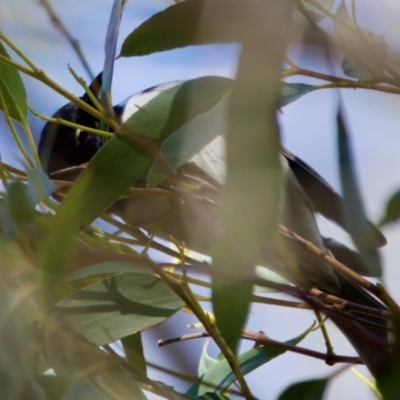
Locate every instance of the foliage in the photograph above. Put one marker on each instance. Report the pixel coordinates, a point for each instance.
(70, 289)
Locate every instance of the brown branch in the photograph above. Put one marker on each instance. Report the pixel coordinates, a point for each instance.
(262, 339)
(345, 305)
(337, 265)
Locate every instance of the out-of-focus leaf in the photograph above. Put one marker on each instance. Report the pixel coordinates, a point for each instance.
(13, 91)
(110, 50)
(250, 199)
(388, 383)
(40, 187)
(268, 275)
(117, 307)
(19, 337)
(206, 361)
(110, 174)
(82, 389)
(392, 212)
(187, 141)
(70, 355)
(20, 209)
(104, 268)
(357, 223)
(363, 50)
(308, 390)
(53, 387)
(314, 12)
(133, 348)
(293, 91)
(221, 376)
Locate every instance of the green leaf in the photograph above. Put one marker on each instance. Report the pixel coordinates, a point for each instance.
(20, 209)
(13, 91)
(220, 375)
(251, 195)
(290, 92)
(110, 174)
(133, 348)
(174, 107)
(392, 212)
(182, 145)
(268, 275)
(117, 165)
(363, 50)
(205, 362)
(358, 226)
(19, 336)
(181, 25)
(388, 382)
(308, 390)
(40, 187)
(188, 140)
(118, 307)
(72, 356)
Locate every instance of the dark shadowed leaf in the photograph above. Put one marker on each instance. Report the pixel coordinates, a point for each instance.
(117, 307)
(133, 348)
(13, 91)
(392, 212)
(308, 390)
(357, 223)
(221, 376)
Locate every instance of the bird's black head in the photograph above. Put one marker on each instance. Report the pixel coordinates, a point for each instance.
(61, 146)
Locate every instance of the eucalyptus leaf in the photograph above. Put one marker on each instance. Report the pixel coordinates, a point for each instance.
(13, 91)
(110, 51)
(308, 390)
(133, 348)
(40, 187)
(206, 361)
(392, 211)
(356, 221)
(292, 91)
(20, 208)
(76, 357)
(117, 307)
(118, 165)
(187, 23)
(220, 376)
(251, 195)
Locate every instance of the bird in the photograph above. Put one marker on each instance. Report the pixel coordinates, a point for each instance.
(193, 218)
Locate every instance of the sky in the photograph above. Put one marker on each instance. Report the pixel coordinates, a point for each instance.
(307, 128)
